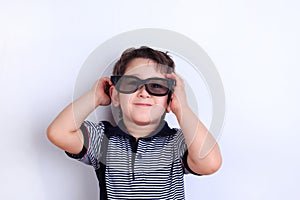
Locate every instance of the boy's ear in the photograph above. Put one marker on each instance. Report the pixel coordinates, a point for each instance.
(168, 108)
(114, 96)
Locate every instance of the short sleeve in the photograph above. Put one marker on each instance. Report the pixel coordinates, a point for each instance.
(182, 151)
(93, 134)
(180, 145)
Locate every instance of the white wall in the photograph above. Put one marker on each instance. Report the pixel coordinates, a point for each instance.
(254, 45)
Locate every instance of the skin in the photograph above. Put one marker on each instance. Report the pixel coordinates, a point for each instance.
(141, 114)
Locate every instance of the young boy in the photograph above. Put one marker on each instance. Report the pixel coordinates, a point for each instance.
(141, 157)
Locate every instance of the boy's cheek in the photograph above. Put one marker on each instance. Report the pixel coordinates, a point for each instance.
(157, 111)
(124, 100)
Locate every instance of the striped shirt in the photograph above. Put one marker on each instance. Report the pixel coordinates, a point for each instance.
(148, 168)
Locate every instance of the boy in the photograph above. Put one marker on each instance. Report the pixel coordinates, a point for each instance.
(141, 157)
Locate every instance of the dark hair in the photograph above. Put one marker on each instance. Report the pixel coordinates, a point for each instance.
(128, 55)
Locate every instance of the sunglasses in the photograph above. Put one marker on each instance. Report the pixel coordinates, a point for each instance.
(154, 86)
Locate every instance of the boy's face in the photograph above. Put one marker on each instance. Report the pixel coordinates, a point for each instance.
(141, 107)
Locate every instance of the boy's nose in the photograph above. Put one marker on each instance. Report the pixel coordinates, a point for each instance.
(142, 92)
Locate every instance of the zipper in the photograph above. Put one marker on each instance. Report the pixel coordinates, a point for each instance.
(134, 145)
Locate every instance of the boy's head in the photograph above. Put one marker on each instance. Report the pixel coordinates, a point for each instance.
(142, 91)
(130, 54)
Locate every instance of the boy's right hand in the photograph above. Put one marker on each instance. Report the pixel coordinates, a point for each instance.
(65, 131)
(101, 91)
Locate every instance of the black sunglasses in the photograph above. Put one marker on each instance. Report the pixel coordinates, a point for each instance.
(155, 86)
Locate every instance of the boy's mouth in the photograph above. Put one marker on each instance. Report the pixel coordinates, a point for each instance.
(143, 104)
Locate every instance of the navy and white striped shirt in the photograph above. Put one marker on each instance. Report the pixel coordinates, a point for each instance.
(148, 168)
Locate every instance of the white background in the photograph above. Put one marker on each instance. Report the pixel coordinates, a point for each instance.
(255, 46)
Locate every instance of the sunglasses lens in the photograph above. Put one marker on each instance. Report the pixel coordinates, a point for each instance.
(128, 84)
(158, 86)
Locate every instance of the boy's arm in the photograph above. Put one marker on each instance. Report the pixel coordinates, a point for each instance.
(204, 155)
(65, 131)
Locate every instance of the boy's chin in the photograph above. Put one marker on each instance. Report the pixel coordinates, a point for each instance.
(152, 117)
(145, 122)
(141, 121)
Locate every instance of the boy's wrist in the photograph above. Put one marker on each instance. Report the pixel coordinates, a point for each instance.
(98, 100)
(91, 99)
(184, 109)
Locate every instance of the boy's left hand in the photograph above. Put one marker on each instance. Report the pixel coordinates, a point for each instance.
(178, 100)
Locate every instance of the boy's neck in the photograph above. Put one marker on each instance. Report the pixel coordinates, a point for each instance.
(139, 131)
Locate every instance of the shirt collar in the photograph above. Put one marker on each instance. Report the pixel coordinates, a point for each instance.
(163, 130)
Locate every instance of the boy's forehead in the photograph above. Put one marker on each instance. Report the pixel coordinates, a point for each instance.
(146, 68)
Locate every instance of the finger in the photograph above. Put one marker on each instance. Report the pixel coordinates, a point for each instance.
(175, 77)
(171, 76)
(107, 80)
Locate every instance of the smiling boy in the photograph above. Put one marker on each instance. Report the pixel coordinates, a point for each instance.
(141, 157)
